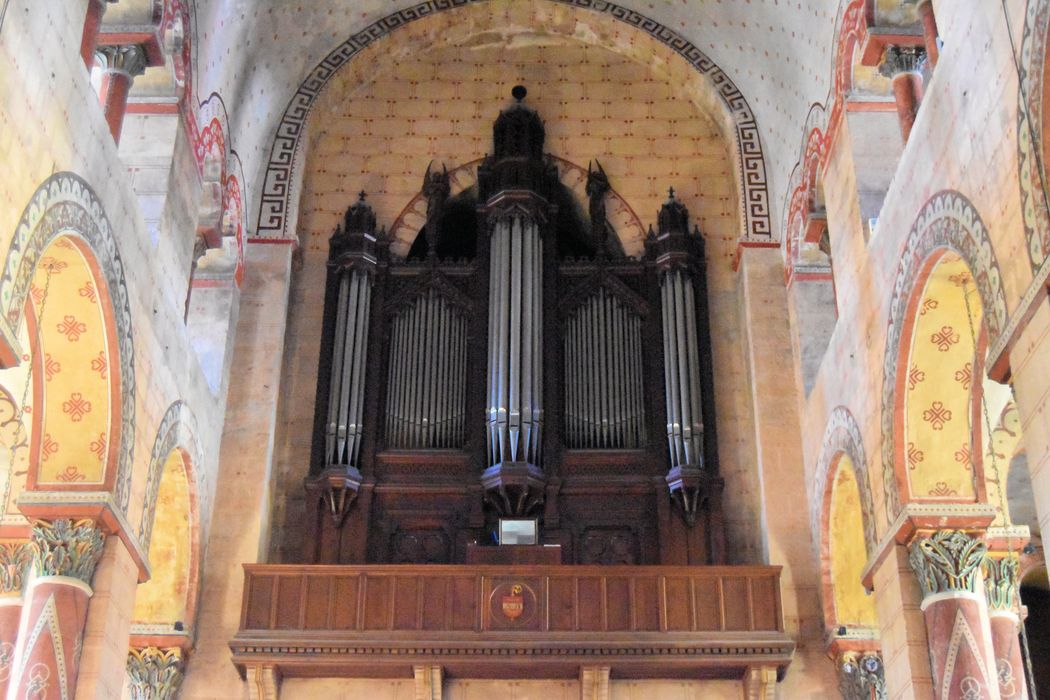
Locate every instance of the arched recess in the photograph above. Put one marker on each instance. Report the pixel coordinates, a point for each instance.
(462, 177)
(282, 182)
(64, 255)
(843, 522)
(948, 306)
(170, 528)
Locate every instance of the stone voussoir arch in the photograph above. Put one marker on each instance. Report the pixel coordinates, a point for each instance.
(65, 204)
(177, 431)
(278, 182)
(842, 436)
(947, 221)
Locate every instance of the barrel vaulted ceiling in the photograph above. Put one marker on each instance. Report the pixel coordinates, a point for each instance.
(255, 53)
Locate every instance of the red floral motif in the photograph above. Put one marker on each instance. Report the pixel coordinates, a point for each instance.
(915, 456)
(48, 448)
(915, 377)
(77, 407)
(98, 447)
(88, 291)
(928, 305)
(71, 328)
(64, 243)
(941, 489)
(961, 279)
(937, 415)
(70, 475)
(965, 375)
(51, 366)
(963, 456)
(100, 365)
(53, 265)
(945, 338)
(37, 293)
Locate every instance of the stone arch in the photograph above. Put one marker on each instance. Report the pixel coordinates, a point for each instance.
(279, 182)
(841, 476)
(803, 193)
(65, 207)
(948, 224)
(171, 520)
(1033, 140)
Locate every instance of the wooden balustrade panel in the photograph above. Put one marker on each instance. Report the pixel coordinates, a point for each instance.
(647, 621)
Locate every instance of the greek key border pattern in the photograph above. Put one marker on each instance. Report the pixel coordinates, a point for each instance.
(66, 203)
(947, 220)
(842, 436)
(277, 183)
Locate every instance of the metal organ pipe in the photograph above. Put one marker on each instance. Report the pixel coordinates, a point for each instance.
(346, 397)
(682, 370)
(515, 410)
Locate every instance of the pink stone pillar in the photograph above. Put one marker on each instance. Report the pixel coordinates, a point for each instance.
(948, 563)
(47, 654)
(120, 65)
(929, 31)
(14, 560)
(92, 25)
(901, 64)
(1000, 586)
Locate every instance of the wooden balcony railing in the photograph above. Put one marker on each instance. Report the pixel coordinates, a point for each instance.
(535, 621)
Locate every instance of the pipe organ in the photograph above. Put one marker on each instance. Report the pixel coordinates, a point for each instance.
(543, 374)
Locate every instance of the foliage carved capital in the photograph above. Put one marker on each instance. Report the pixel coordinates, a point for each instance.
(155, 673)
(947, 561)
(861, 676)
(15, 558)
(1000, 582)
(66, 547)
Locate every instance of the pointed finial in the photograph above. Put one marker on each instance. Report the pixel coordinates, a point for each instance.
(361, 196)
(518, 92)
(670, 193)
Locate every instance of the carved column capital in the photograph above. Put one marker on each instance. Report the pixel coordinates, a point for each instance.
(15, 558)
(947, 561)
(66, 547)
(129, 59)
(155, 673)
(861, 676)
(902, 59)
(1000, 582)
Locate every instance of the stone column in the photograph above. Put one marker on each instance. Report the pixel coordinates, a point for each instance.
(428, 681)
(120, 66)
(14, 560)
(594, 683)
(861, 676)
(902, 65)
(947, 563)
(92, 24)
(760, 683)
(154, 673)
(929, 31)
(47, 655)
(1000, 586)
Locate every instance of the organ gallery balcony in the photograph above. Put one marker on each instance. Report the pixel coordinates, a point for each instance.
(381, 621)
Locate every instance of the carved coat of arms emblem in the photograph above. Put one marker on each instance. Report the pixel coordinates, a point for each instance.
(513, 605)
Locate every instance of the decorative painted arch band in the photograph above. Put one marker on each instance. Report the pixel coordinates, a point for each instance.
(177, 430)
(65, 203)
(275, 204)
(1030, 143)
(842, 437)
(948, 221)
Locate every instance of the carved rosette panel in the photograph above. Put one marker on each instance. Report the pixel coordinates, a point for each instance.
(155, 673)
(67, 548)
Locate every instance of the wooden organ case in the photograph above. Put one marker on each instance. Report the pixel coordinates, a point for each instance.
(515, 363)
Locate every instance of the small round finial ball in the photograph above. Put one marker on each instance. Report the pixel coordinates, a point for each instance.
(518, 92)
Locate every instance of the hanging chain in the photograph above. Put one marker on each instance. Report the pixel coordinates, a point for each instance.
(1003, 505)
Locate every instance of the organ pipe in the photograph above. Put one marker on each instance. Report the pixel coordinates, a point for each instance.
(685, 426)
(515, 371)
